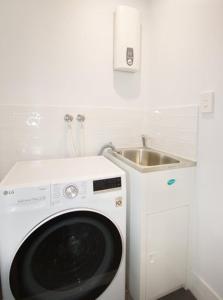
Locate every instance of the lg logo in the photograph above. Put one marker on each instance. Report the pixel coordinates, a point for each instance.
(6, 193)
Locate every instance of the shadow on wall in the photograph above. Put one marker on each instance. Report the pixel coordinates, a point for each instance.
(127, 85)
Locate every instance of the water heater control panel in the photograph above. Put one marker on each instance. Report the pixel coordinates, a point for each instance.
(130, 56)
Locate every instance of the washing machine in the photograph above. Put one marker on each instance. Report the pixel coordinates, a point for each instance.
(62, 230)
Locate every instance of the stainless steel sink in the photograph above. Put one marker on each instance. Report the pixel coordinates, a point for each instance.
(146, 157)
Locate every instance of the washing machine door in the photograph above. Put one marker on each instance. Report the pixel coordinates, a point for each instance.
(73, 256)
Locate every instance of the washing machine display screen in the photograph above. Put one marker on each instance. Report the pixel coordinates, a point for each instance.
(74, 256)
(106, 184)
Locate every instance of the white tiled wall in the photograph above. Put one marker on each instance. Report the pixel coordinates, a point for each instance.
(173, 129)
(38, 132)
(35, 132)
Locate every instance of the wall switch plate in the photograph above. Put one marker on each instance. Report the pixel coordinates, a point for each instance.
(207, 102)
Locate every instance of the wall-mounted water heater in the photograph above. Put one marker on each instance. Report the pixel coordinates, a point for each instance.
(127, 39)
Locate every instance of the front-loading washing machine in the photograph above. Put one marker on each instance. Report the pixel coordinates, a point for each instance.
(62, 230)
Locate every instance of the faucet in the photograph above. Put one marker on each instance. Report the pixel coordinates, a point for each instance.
(106, 146)
(144, 137)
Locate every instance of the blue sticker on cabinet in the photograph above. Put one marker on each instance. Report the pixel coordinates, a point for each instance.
(171, 182)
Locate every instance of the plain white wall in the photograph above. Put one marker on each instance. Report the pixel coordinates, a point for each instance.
(56, 57)
(186, 58)
(60, 52)
(184, 41)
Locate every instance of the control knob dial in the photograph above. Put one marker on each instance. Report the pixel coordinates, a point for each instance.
(71, 191)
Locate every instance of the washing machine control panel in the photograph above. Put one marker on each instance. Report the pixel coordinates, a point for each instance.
(62, 193)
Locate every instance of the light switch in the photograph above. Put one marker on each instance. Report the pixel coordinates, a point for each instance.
(207, 102)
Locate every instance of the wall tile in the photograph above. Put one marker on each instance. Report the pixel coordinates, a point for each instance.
(173, 129)
(39, 132)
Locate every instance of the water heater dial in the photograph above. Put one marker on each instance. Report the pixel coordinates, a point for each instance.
(71, 191)
(130, 56)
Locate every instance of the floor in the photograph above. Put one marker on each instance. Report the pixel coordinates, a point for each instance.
(180, 294)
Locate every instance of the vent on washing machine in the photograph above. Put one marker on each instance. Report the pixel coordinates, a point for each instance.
(107, 184)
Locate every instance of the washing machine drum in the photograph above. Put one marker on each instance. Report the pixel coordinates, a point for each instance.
(74, 256)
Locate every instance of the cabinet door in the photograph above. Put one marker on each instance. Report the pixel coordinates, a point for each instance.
(161, 195)
(167, 246)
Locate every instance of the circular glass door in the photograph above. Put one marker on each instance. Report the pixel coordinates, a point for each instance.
(74, 256)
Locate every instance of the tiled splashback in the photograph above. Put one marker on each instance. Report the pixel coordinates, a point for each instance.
(173, 129)
(38, 132)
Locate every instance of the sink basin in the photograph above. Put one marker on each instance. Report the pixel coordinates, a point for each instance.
(146, 160)
(147, 157)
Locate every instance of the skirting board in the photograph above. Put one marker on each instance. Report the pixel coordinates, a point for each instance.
(201, 290)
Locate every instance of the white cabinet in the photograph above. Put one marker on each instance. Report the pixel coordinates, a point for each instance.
(158, 230)
(164, 212)
(166, 251)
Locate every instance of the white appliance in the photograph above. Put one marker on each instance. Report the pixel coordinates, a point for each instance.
(62, 230)
(158, 229)
(127, 39)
